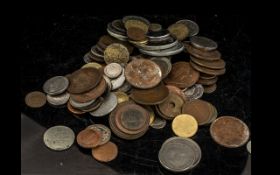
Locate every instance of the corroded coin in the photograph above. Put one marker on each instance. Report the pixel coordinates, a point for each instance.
(58, 99)
(207, 70)
(184, 125)
(121, 96)
(203, 43)
(113, 70)
(164, 64)
(89, 138)
(194, 92)
(136, 34)
(35, 99)
(205, 55)
(191, 25)
(216, 64)
(143, 73)
(109, 103)
(155, 27)
(104, 131)
(116, 53)
(210, 89)
(59, 138)
(158, 123)
(229, 131)
(172, 106)
(56, 85)
(106, 152)
(179, 31)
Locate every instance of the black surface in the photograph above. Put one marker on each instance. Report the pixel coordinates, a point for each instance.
(55, 45)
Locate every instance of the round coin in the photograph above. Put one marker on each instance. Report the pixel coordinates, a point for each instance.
(56, 85)
(178, 31)
(89, 138)
(164, 64)
(121, 96)
(216, 64)
(106, 152)
(109, 103)
(203, 43)
(191, 25)
(201, 54)
(136, 34)
(184, 125)
(58, 99)
(92, 65)
(118, 82)
(158, 123)
(116, 53)
(194, 92)
(113, 70)
(172, 106)
(35, 99)
(104, 130)
(249, 146)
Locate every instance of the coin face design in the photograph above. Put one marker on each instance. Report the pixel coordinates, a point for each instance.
(113, 70)
(59, 138)
(35, 99)
(191, 25)
(106, 152)
(203, 43)
(179, 31)
(104, 130)
(116, 53)
(58, 99)
(184, 125)
(56, 85)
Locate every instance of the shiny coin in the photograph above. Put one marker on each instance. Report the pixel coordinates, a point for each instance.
(109, 103)
(191, 25)
(113, 70)
(164, 65)
(172, 106)
(118, 82)
(201, 54)
(106, 152)
(89, 138)
(207, 81)
(59, 138)
(210, 89)
(203, 43)
(158, 123)
(104, 130)
(116, 53)
(179, 47)
(58, 99)
(136, 34)
(179, 31)
(194, 92)
(35, 99)
(184, 125)
(217, 64)
(155, 27)
(56, 85)
(92, 65)
(229, 131)
(249, 146)
(121, 96)
(207, 70)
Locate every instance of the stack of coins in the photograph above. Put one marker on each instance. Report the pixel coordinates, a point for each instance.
(206, 59)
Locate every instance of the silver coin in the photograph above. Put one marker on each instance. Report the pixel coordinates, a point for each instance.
(161, 41)
(204, 43)
(158, 123)
(157, 47)
(80, 105)
(59, 138)
(165, 65)
(192, 26)
(249, 146)
(86, 58)
(118, 36)
(165, 52)
(104, 130)
(160, 34)
(126, 87)
(58, 99)
(109, 84)
(194, 92)
(56, 85)
(113, 70)
(108, 105)
(118, 82)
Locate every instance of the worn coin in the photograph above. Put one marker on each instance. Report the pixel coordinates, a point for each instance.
(158, 123)
(113, 70)
(203, 43)
(216, 64)
(207, 81)
(121, 96)
(194, 92)
(178, 31)
(172, 106)
(155, 27)
(137, 24)
(104, 130)
(201, 54)
(58, 99)
(116, 53)
(207, 70)
(109, 103)
(133, 17)
(136, 34)
(59, 138)
(106, 40)
(35, 99)
(176, 90)
(191, 25)
(92, 65)
(206, 76)
(89, 138)
(184, 125)
(80, 105)
(106, 152)
(164, 64)
(56, 85)
(249, 146)
(210, 89)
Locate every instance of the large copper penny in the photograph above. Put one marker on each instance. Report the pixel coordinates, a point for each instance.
(35, 99)
(182, 75)
(116, 53)
(150, 96)
(106, 152)
(89, 138)
(84, 80)
(205, 55)
(172, 106)
(136, 34)
(229, 131)
(207, 70)
(143, 74)
(207, 81)
(217, 64)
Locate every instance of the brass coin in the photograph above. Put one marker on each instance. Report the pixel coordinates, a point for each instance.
(121, 96)
(176, 90)
(35, 99)
(184, 125)
(217, 64)
(83, 80)
(116, 53)
(207, 81)
(229, 131)
(137, 24)
(136, 34)
(92, 65)
(182, 75)
(207, 70)
(143, 73)
(178, 31)
(88, 138)
(205, 55)
(106, 152)
(210, 89)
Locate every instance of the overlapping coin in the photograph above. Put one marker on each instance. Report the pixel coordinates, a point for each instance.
(35, 99)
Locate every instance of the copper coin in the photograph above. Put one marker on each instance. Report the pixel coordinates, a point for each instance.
(161, 114)
(35, 99)
(89, 138)
(210, 89)
(176, 90)
(143, 73)
(205, 55)
(172, 106)
(199, 109)
(217, 64)
(206, 76)
(207, 81)
(178, 31)
(84, 80)
(106, 152)
(229, 131)
(182, 75)
(136, 34)
(150, 96)
(116, 53)
(207, 70)
(74, 110)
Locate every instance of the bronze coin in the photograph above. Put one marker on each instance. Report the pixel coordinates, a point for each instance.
(217, 64)
(172, 106)
(136, 23)
(179, 31)
(136, 34)
(89, 138)
(35, 99)
(92, 94)
(207, 81)
(205, 55)
(84, 80)
(150, 96)
(106, 152)
(143, 73)
(176, 90)
(74, 110)
(229, 131)
(206, 76)
(210, 89)
(199, 109)
(182, 75)
(207, 70)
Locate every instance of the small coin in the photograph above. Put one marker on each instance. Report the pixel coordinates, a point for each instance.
(249, 146)
(179, 31)
(59, 138)
(89, 138)
(164, 64)
(109, 103)
(121, 96)
(229, 131)
(56, 85)
(92, 65)
(118, 82)
(194, 92)
(116, 53)
(210, 89)
(58, 99)
(136, 34)
(113, 70)
(216, 64)
(184, 125)
(208, 82)
(106, 152)
(104, 130)
(35, 99)
(203, 43)
(191, 25)
(155, 27)
(158, 123)
(207, 70)
(201, 54)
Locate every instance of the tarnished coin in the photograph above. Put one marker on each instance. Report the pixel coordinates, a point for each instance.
(84, 80)
(179, 92)
(207, 70)
(229, 131)
(113, 70)
(210, 89)
(172, 106)
(164, 64)
(116, 53)
(35, 99)
(118, 82)
(143, 73)
(191, 25)
(201, 54)
(184, 125)
(249, 146)
(203, 43)
(136, 34)
(59, 138)
(206, 76)
(155, 27)
(179, 31)
(106, 152)
(121, 96)
(194, 92)
(104, 130)
(58, 99)
(92, 65)
(109, 103)
(182, 75)
(158, 123)
(207, 81)
(216, 64)
(89, 138)
(56, 85)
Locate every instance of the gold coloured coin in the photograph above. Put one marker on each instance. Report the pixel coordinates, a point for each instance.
(121, 96)
(116, 53)
(179, 31)
(184, 125)
(93, 65)
(137, 24)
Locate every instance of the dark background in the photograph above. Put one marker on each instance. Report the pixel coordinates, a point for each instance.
(55, 45)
